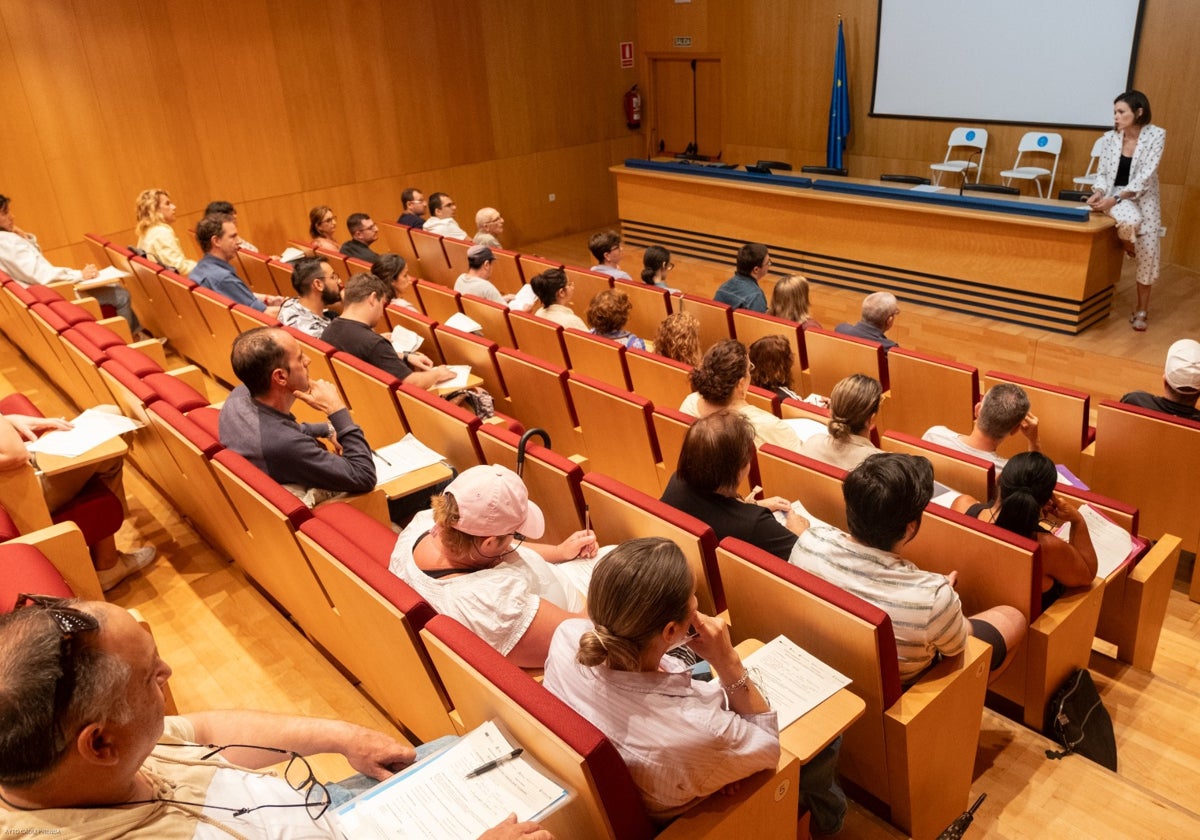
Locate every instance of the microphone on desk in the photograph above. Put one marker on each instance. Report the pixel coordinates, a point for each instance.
(967, 171)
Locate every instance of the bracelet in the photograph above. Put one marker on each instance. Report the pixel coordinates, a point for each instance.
(738, 683)
(1118, 200)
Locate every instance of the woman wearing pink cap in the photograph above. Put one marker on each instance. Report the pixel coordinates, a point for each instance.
(469, 559)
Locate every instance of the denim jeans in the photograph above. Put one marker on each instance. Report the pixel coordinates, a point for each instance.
(820, 791)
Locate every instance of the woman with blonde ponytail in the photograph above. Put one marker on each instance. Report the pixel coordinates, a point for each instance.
(853, 406)
(682, 739)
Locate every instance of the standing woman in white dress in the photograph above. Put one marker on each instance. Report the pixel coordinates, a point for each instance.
(1127, 189)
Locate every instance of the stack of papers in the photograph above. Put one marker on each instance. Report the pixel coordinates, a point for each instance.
(434, 799)
(401, 458)
(792, 679)
(405, 340)
(461, 374)
(87, 431)
(524, 299)
(459, 321)
(1113, 544)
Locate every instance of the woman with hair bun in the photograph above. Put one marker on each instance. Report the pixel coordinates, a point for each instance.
(853, 406)
(676, 735)
(720, 381)
(1026, 497)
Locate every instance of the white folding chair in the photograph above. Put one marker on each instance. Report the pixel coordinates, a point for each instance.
(962, 138)
(1089, 176)
(1037, 143)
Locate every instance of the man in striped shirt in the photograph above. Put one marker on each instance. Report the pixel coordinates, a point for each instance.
(885, 497)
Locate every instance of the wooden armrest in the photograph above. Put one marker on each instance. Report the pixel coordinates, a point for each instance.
(969, 665)
(63, 546)
(373, 504)
(1058, 642)
(765, 805)
(23, 499)
(1146, 594)
(154, 349)
(192, 375)
(89, 304)
(118, 325)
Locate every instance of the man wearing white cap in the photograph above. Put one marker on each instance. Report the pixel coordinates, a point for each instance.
(1181, 383)
(468, 558)
(476, 280)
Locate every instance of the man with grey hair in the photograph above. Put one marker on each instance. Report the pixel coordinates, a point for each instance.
(879, 311)
(476, 280)
(488, 225)
(86, 748)
(1002, 412)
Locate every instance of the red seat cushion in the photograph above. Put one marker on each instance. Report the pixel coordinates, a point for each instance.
(374, 539)
(135, 360)
(270, 489)
(100, 335)
(19, 404)
(70, 312)
(175, 391)
(44, 294)
(208, 419)
(24, 570)
(95, 509)
(8, 528)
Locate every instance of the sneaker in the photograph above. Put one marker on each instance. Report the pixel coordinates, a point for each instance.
(127, 564)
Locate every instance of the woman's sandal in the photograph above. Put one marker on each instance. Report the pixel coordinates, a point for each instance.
(1138, 320)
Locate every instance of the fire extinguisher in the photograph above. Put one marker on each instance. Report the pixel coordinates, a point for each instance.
(633, 108)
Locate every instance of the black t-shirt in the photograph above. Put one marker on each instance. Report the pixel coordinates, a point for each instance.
(732, 517)
(1143, 399)
(359, 340)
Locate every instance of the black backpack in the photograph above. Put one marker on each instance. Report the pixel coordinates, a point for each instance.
(1079, 721)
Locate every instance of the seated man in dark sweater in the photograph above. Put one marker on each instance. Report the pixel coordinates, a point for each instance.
(363, 302)
(714, 461)
(363, 233)
(1181, 383)
(879, 311)
(256, 420)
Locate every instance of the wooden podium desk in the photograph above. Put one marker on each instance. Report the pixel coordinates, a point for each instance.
(977, 254)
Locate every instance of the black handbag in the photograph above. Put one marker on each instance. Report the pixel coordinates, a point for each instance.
(1079, 721)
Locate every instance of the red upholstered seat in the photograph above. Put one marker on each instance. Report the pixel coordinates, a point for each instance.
(135, 360)
(261, 483)
(615, 789)
(22, 293)
(93, 353)
(19, 404)
(70, 312)
(100, 335)
(130, 381)
(208, 419)
(44, 294)
(95, 509)
(53, 320)
(8, 528)
(333, 535)
(193, 432)
(25, 570)
(370, 537)
(175, 391)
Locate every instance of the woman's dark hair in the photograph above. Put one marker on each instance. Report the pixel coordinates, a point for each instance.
(548, 284)
(655, 258)
(853, 401)
(637, 589)
(1136, 100)
(388, 267)
(1025, 486)
(772, 358)
(715, 451)
(723, 366)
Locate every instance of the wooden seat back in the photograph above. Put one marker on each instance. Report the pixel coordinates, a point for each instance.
(928, 391)
(588, 284)
(833, 356)
(1063, 431)
(618, 433)
(506, 272)
(492, 316)
(435, 267)
(421, 324)
(437, 301)
(539, 397)
(600, 358)
(539, 337)
(816, 485)
(258, 274)
(442, 426)
(370, 393)
(460, 348)
(750, 326)
(665, 382)
(651, 304)
(397, 241)
(716, 319)
(957, 470)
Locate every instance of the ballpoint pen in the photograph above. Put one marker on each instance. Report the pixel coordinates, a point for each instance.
(377, 454)
(494, 763)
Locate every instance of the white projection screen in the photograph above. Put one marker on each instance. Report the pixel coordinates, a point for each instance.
(1033, 62)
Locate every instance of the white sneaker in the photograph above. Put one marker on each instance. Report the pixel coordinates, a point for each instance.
(126, 565)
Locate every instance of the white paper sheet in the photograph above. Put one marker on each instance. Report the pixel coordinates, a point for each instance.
(524, 299)
(405, 340)
(794, 680)
(460, 321)
(806, 428)
(436, 801)
(87, 431)
(402, 457)
(108, 276)
(461, 374)
(290, 254)
(798, 507)
(1111, 542)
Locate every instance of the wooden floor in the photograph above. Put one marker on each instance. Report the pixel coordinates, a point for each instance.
(230, 648)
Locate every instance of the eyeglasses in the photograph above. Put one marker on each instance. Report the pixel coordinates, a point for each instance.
(71, 622)
(518, 539)
(298, 774)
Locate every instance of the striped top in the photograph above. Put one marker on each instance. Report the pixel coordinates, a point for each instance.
(927, 617)
(675, 734)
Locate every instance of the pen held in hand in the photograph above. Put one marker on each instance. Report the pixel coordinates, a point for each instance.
(494, 763)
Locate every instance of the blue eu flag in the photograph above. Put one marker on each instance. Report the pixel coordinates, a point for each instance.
(839, 107)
